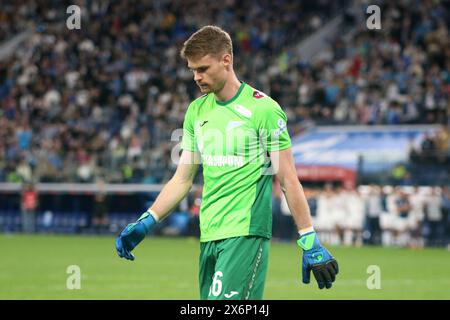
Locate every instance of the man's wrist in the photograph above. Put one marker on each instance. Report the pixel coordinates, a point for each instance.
(305, 231)
(149, 219)
(153, 214)
(308, 240)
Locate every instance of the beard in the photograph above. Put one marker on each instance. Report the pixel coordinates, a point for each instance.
(208, 88)
(204, 88)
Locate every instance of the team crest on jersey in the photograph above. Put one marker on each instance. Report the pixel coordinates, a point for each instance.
(258, 95)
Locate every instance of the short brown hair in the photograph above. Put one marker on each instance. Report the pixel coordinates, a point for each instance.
(208, 40)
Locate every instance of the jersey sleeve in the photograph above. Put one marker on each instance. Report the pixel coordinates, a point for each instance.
(271, 124)
(188, 141)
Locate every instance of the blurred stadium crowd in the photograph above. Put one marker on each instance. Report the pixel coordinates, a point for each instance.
(102, 102)
(413, 216)
(105, 99)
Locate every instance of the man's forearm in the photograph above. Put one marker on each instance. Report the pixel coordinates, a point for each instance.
(170, 196)
(297, 203)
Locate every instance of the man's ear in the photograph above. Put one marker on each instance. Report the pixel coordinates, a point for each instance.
(227, 59)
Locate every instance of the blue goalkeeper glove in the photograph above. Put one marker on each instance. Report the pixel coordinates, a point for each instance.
(133, 234)
(318, 259)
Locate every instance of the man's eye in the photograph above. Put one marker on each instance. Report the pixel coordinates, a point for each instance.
(199, 70)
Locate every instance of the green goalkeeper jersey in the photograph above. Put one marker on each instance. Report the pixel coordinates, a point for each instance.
(234, 139)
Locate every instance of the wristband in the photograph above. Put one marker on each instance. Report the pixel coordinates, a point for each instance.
(305, 230)
(154, 215)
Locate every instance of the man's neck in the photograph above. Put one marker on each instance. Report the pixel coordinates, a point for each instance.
(229, 90)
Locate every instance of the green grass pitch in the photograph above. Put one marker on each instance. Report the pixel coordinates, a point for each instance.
(35, 267)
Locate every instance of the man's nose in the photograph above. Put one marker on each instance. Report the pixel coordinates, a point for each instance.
(197, 76)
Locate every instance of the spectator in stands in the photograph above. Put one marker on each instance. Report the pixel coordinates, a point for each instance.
(373, 210)
(400, 174)
(339, 213)
(395, 222)
(403, 205)
(325, 220)
(413, 152)
(428, 148)
(417, 201)
(443, 145)
(434, 223)
(354, 219)
(29, 203)
(100, 222)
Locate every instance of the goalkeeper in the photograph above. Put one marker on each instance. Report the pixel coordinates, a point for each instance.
(239, 135)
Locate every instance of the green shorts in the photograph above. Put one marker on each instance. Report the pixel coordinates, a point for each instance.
(233, 268)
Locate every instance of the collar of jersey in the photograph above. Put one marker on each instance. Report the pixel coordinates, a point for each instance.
(224, 103)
